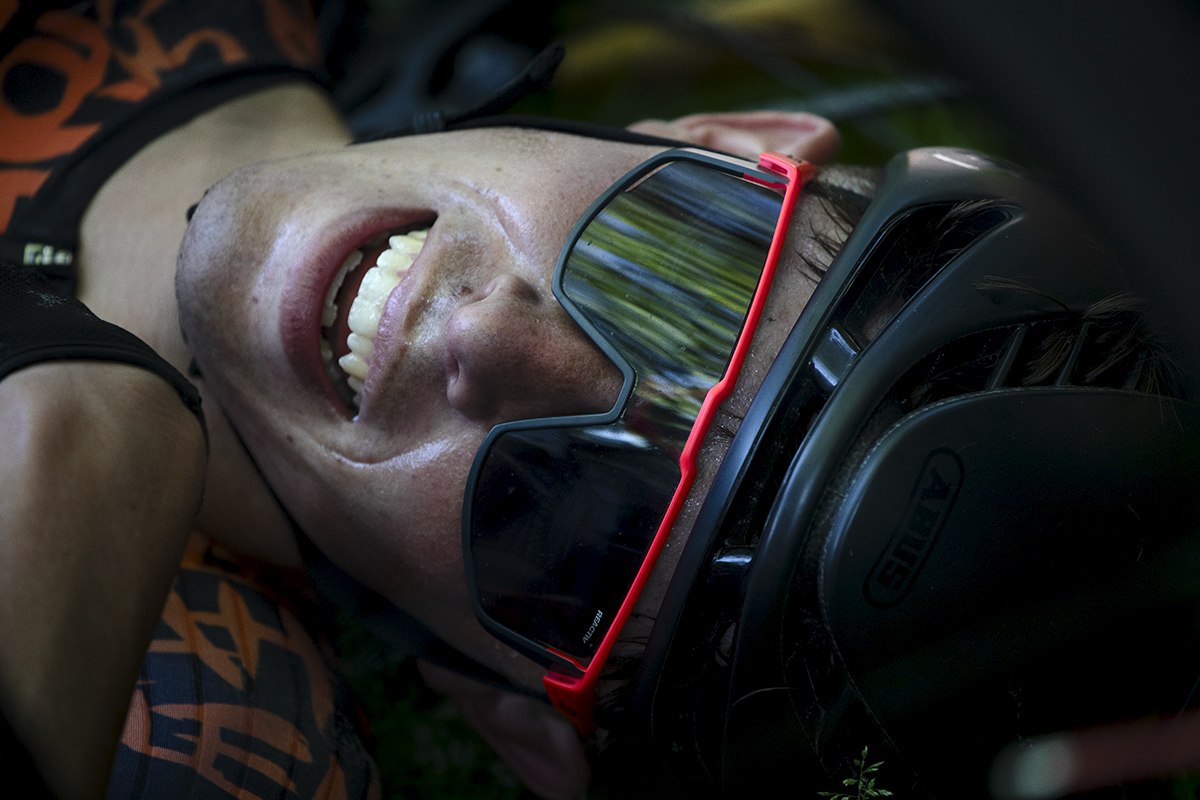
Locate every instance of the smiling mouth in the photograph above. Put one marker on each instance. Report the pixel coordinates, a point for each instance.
(350, 317)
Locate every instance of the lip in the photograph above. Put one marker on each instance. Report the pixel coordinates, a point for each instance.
(308, 281)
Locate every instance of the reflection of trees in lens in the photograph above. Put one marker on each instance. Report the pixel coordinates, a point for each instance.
(667, 272)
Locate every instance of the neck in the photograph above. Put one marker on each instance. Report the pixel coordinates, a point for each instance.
(129, 240)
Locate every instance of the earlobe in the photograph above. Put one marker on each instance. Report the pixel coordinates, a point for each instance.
(749, 133)
(540, 746)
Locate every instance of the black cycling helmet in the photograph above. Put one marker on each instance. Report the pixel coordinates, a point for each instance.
(960, 510)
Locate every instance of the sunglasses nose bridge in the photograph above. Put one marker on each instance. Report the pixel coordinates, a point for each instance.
(514, 353)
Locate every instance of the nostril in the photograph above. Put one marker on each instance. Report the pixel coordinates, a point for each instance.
(465, 360)
(509, 355)
(482, 337)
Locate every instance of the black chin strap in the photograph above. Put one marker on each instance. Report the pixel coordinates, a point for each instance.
(536, 77)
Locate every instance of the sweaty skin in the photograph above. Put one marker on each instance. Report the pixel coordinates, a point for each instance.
(471, 337)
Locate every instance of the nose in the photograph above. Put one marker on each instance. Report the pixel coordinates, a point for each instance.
(514, 353)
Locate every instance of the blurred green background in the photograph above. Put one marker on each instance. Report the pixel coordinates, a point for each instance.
(634, 59)
(627, 61)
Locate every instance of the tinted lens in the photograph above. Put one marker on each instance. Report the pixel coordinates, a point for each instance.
(563, 516)
(562, 522)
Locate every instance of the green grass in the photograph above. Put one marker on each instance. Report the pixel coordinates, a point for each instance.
(423, 747)
(860, 785)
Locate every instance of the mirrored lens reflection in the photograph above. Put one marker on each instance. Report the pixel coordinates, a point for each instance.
(666, 272)
(563, 517)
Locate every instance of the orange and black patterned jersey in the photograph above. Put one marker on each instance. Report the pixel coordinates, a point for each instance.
(234, 699)
(84, 87)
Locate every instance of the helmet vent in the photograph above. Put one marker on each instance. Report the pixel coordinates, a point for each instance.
(1113, 352)
(913, 248)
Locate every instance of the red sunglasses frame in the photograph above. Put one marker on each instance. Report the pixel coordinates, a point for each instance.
(575, 697)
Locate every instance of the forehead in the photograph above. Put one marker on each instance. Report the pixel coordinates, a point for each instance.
(816, 231)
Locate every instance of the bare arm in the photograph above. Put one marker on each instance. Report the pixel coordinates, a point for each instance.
(102, 472)
(130, 239)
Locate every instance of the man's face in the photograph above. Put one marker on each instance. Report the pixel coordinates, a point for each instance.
(471, 337)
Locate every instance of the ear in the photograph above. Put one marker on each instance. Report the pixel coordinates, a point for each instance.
(747, 134)
(540, 746)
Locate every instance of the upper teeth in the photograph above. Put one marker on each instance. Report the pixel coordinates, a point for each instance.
(367, 307)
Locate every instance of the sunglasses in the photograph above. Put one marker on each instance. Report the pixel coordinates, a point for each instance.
(564, 517)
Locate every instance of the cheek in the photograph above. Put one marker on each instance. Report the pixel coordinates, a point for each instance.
(395, 526)
(424, 524)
